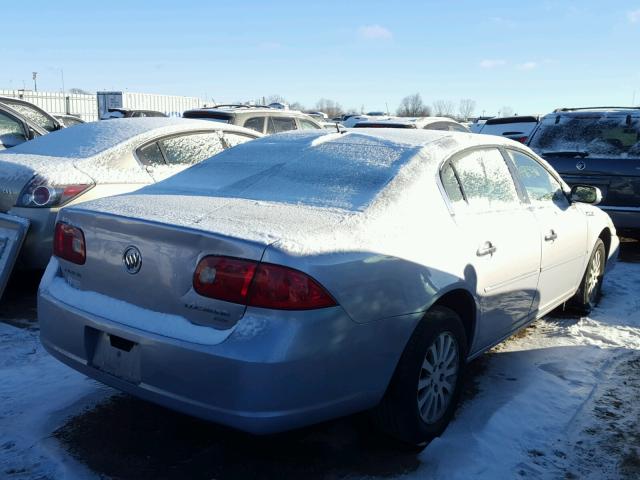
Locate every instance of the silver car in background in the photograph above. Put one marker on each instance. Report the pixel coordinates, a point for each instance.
(310, 275)
(98, 159)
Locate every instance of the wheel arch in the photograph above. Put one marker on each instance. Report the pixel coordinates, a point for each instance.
(464, 304)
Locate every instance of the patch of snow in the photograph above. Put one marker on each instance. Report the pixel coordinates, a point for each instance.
(172, 326)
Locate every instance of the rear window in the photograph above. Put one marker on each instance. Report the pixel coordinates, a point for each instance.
(204, 115)
(327, 175)
(33, 114)
(593, 135)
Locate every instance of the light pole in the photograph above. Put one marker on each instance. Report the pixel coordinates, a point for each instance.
(35, 83)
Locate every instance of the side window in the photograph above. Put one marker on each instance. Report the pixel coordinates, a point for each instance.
(540, 185)
(233, 139)
(486, 180)
(151, 155)
(451, 184)
(306, 124)
(437, 126)
(454, 127)
(190, 149)
(11, 131)
(281, 124)
(34, 115)
(255, 123)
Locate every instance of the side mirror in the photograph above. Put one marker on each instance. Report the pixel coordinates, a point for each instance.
(586, 194)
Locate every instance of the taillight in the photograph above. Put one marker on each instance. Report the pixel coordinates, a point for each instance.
(68, 243)
(224, 278)
(258, 284)
(39, 193)
(521, 139)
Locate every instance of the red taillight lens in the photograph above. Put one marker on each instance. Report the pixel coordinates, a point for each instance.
(224, 278)
(259, 285)
(521, 139)
(285, 289)
(68, 243)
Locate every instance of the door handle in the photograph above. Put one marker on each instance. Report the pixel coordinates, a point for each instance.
(551, 236)
(487, 248)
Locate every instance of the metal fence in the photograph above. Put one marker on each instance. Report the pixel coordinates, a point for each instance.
(58, 103)
(85, 106)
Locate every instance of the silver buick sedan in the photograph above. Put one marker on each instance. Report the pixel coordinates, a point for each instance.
(310, 275)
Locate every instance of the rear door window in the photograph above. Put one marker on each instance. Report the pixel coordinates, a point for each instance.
(485, 179)
(255, 123)
(281, 124)
(190, 149)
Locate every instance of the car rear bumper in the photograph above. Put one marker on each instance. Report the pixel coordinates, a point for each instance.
(276, 370)
(38, 244)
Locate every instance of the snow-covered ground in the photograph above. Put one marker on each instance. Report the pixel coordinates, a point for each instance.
(559, 400)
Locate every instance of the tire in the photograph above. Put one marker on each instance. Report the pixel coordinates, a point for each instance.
(412, 386)
(589, 292)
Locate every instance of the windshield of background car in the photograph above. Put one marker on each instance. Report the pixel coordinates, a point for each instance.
(596, 135)
(34, 115)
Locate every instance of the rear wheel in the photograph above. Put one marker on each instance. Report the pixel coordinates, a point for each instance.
(424, 390)
(588, 295)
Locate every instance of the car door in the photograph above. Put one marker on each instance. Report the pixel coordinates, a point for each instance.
(501, 238)
(563, 231)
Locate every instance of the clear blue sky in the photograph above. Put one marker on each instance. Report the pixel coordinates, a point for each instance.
(532, 56)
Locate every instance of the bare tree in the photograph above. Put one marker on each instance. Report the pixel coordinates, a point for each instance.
(330, 107)
(505, 111)
(275, 98)
(467, 106)
(443, 108)
(413, 106)
(297, 106)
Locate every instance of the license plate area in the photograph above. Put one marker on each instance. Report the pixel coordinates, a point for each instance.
(114, 355)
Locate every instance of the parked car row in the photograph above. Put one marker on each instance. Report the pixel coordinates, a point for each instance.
(271, 283)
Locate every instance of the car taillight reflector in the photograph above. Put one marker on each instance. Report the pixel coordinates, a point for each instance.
(68, 243)
(256, 284)
(521, 139)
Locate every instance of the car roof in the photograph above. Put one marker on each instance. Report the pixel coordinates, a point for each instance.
(88, 139)
(242, 109)
(608, 110)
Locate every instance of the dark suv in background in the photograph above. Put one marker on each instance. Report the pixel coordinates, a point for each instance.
(601, 147)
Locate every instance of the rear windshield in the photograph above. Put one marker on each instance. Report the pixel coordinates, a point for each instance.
(594, 135)
(216, 117)
(346, 176)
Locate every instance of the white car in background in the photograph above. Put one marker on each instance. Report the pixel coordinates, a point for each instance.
(426, 123)
(517, 128)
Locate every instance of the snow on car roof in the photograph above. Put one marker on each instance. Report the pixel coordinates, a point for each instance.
(320, 169)
(89, 139)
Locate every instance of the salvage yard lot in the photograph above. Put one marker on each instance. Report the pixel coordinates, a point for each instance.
(558, 400)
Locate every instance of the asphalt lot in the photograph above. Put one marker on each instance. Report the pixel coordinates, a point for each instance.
(131, 439)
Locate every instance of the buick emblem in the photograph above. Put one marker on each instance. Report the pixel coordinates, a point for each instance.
(580, 165)
(132, 260)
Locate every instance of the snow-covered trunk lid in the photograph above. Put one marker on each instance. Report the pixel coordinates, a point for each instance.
(168, 256)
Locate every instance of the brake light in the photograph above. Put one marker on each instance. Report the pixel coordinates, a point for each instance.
(224, 278)
(521, 139)
(256, 284)
(68, 243)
